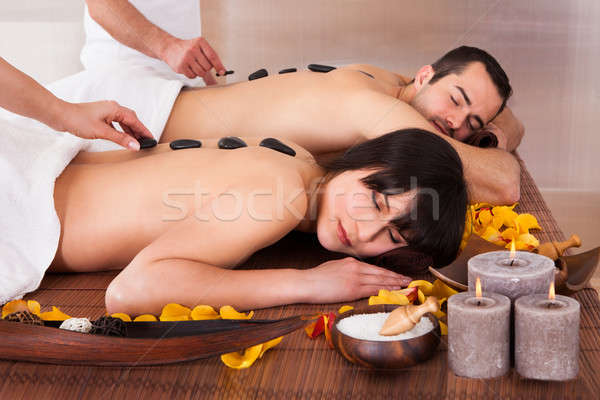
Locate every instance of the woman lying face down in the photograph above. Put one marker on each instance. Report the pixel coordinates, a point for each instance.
(182, 220)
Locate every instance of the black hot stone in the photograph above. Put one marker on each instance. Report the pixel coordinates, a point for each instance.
(25, 317)
(287, 70)
(109, 326)
(276, 145)
(261, 73)
(231, 142)
(185, 144)
(320, 68)
(146, 143)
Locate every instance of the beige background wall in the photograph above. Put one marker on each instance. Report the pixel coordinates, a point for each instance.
(550, 49)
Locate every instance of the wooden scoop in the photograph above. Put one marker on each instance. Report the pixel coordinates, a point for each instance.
(404, 318)
(554, 249)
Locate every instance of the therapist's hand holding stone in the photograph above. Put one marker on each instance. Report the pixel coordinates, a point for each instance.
(192, 58)
(22, 95)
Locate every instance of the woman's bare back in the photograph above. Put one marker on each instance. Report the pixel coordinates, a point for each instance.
(112, 205)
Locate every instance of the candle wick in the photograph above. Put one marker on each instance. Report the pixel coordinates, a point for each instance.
(478, 302)
(512, 262)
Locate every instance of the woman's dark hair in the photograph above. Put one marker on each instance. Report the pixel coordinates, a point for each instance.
(416, 160)
(455, 61)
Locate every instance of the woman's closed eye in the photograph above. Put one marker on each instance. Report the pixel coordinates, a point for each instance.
(378, 207)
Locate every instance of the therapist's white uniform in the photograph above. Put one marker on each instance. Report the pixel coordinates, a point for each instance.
(114, 71)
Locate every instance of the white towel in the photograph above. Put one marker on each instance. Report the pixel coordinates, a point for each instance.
(146, 91)
(32, 156)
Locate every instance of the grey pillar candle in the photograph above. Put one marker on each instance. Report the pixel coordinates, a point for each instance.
(478, 334)
(547, 337)
(530, 273)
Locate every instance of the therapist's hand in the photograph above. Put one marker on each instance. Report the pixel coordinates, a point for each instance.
(94, 121)
(192, 58)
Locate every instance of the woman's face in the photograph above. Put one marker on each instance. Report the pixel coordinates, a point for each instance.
(356, 220)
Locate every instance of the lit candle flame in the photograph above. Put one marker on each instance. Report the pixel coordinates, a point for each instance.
(551, 293)
(513, 251)
(478, 288)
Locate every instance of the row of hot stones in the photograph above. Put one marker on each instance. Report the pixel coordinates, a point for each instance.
(226, 143)
(517, 319)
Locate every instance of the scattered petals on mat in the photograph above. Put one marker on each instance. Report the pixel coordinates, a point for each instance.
(323, 324)
(14, 306)
(228, 312)
(241, 360)
(402, 297)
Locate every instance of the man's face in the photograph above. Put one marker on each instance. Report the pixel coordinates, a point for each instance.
(458, 105)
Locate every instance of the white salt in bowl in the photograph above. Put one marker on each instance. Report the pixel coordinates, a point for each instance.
(380, 352)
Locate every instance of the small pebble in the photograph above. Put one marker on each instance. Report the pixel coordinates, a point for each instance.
(287, 70)
(320, 68)
(146, 143)
(367, 327)
(231, 142)
(261, 73)
(276, 145)
(185, 144)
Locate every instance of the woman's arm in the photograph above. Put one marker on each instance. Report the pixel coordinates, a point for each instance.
(190, 263)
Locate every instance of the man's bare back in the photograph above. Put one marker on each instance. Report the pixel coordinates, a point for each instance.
(327, 113)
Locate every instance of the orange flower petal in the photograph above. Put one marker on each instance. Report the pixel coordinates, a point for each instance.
(145, 317)
(14, 306)
(203, 312)
(343, 309)
(122, 316)
(239, 360)
(54, 315)
(228, 312)
(175, 312)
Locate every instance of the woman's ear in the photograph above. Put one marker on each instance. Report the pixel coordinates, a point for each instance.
(423, 76)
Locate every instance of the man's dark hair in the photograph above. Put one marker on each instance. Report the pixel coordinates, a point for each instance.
(417, 160)
(455, 61)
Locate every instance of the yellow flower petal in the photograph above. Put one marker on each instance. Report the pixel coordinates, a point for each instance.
(441, 290)
(374, 300)
(491, 235)
(122, 316)
(145, 317)
(526, 242)
(268, 345)
(175, 312)
(14, 306)
(203, 312)
(239, 360)
(504, 215)
(54, 315)
(443, 328)
(34, 307)
(527, 222)
(424, 286)
(485, 217)
(228, 312)
(343, 309)
(421, 296)
(510, 234)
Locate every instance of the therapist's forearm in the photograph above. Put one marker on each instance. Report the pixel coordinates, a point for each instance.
(127, 25)
(22, 95)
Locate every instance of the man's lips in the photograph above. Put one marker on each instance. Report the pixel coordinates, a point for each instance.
(342, 235)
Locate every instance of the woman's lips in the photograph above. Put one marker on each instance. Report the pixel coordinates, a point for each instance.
(439, 128)
(342, 235)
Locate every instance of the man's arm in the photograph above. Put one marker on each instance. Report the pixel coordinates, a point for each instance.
(126, 24)
(492, 175)
(508, 128)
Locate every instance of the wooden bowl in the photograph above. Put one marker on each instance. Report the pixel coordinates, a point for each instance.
(385, 355)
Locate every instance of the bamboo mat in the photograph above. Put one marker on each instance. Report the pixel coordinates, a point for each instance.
(298, 367)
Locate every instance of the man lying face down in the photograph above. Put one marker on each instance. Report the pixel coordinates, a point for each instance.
(456, 97)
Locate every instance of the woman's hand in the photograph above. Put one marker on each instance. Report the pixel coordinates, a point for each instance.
(95, 121)
(349, 279)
